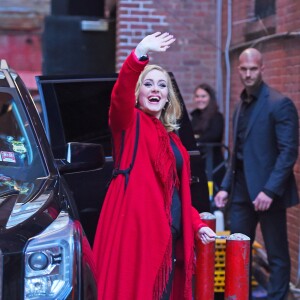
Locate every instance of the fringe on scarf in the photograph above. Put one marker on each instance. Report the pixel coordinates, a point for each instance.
(166, 168)
(163, 274)
(189, 275)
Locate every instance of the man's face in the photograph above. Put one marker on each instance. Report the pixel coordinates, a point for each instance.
(250, 70)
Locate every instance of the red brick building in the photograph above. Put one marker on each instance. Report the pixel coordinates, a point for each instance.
(210, 35)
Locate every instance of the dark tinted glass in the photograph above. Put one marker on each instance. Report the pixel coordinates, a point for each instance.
(264, 8)
(79, 107)
(83, 107)
(20, 157)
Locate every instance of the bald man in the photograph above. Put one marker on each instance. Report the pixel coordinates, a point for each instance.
(259, 181)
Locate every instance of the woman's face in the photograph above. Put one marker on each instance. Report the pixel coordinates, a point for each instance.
(201, 98)
(153, 93)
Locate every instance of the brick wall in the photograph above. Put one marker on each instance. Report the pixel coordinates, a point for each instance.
(282, 61)
(192, 59)
(21, 25)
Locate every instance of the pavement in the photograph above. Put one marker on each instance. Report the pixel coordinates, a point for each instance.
(259, 293)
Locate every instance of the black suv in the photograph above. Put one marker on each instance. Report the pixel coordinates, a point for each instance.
(44, 253)
(55, 163)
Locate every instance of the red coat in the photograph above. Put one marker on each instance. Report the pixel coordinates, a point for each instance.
(133, 242)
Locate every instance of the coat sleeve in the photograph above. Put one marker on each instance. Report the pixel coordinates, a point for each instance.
(287, 137)
(121, 112)
(197, 222)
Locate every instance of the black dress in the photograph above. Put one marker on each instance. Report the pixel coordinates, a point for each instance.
(176, 228)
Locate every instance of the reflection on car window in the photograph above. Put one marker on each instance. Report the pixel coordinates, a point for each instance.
(20, 159)
(8, 125)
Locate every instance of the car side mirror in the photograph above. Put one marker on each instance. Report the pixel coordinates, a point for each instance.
(81, 157)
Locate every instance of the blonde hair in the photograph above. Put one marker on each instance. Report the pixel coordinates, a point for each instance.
(173, 110)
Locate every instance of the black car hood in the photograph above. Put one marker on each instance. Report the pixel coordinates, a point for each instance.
(25, 211)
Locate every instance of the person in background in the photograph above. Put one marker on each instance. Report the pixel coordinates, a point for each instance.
(260, 179)
(208, 126)
(144, 243)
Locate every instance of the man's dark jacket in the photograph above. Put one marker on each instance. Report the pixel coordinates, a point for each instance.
(270, 148)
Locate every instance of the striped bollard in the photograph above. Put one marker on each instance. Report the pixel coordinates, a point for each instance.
(237, 267)
(205, 263)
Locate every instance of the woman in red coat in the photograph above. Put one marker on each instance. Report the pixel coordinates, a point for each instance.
(144, 244)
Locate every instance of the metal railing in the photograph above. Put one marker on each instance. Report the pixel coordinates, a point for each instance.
(207, 153)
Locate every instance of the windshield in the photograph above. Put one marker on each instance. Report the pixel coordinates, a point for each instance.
(20, 159)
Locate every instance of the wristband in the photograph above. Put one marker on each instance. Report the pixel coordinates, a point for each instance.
(143, 57)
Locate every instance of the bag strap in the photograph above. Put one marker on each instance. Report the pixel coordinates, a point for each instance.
(126, 172)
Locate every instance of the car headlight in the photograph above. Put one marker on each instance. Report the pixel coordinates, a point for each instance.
(50, 261)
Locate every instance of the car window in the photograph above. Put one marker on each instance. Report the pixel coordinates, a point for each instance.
(20, 159)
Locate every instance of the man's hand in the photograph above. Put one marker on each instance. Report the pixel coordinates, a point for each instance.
(206, 235)
(156, 42)
(221, 198)
(262, 202)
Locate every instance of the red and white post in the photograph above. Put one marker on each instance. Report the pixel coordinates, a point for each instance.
(205, 263)
(237, 267)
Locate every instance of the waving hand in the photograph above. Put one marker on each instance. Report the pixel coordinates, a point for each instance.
(156, 42)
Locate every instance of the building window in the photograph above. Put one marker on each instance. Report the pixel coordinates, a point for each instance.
(264, 8)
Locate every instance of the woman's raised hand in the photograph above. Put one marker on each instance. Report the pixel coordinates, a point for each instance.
(156, 42)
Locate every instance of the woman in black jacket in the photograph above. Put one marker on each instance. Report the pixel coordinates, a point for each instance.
(208, 127)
